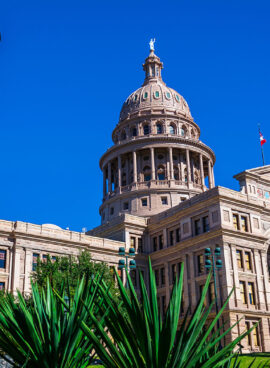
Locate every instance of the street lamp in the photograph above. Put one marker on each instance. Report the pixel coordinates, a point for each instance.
(123, 263)
(213, 261)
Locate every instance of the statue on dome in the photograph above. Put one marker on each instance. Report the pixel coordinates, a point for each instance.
(152, 43)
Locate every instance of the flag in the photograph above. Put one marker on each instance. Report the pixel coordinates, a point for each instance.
(262, 140)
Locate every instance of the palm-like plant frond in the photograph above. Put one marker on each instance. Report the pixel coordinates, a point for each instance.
(46, 333)
(140, 338)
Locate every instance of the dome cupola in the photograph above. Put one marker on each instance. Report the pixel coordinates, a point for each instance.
(157, 159)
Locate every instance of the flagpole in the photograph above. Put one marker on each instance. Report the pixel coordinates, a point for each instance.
(261, 145)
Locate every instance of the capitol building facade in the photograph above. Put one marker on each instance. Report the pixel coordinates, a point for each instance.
(159, 197)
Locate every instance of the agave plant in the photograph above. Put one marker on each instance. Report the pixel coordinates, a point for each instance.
(45, 332)
(141, 338)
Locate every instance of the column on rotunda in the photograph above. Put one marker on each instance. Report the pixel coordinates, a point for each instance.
(182, 173)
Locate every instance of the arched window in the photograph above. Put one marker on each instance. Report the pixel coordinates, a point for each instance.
(147, 173)
(123, 135)
(159, 129)
(197, 178)
(146, 129)
(185, 175)
(133, 132)
(161, 173)
(192, 134)
(124, 179)
(172, 129)
(175, 173)
(183, 131)
(131, 176)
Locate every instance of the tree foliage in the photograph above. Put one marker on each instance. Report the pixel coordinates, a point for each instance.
(72, 268)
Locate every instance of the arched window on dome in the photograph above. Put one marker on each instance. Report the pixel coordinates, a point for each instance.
(133, 131)
(183, 131)
(146, 173)
(146, 129)
(192, 134)
(161, 173)
(159, 128)
(172, 129)
(175, 173)
(123, 135)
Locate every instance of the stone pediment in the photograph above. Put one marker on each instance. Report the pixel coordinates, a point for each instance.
(262, 171)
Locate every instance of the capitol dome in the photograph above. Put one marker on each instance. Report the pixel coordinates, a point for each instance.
(154, 94)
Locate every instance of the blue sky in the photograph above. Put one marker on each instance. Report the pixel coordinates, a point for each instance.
(67, 66)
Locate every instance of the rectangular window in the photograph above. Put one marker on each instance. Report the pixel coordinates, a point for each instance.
(111, 210)
(162, 274)
(140, 245)
(244, 226)
(53, 259)
(132, 242)
(251, 296)
(2, 286)
(236, 221)
(35, 261)
(177, 234)
(248, 261)
(144, 202)
(248, 338)
(173, 273)
(157, 277)
(239, 259)
(205, 223)
(45, 258)
(171, 237)
(200, 260)
(255, 336)
(160, 240)
(3, 258)
(243, 292)
(197, 226)
(155, 244)
(125, 206)
(164, 200)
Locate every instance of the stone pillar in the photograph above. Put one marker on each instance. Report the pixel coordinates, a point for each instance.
(134, 157)
(104, 182)
(188, 166)
(139, 167)
(165, 242)
(213, 177)
(16, 270)
(238, 300)
(119, 171)
(192, 284)
(109, 177)
(201, 170)
(171, 163)
(210, 175)
(27, 271)
(153, 169)
(126, 169)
